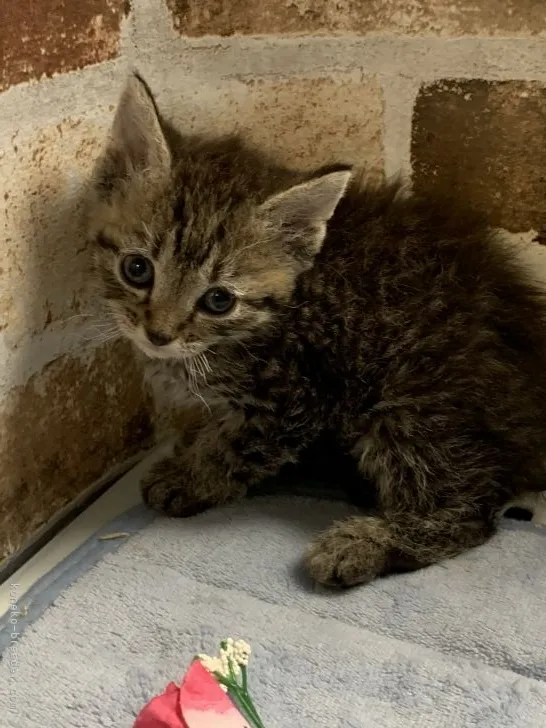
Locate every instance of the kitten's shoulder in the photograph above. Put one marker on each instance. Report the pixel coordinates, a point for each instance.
(398, 211)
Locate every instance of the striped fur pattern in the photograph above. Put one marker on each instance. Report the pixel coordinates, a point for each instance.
(393, 333)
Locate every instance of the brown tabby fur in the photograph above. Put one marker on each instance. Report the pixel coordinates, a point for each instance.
(406, 334)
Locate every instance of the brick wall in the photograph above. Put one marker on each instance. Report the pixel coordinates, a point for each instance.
(451, 92)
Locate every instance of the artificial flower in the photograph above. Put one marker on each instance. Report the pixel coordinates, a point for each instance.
(213, 694)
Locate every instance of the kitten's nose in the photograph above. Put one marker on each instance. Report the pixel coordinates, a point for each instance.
(158, 339)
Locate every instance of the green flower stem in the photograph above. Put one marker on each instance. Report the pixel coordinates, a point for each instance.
(253, 707)
(241, 689)
(249, 705)
(246, 710)
(242, 698)
(250, 710)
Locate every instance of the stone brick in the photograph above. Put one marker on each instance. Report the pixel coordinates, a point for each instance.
(44, 37)
(44, 262)
(485, 143)
(315, 121)
(305, 121)
(428, 17)
(64, 429)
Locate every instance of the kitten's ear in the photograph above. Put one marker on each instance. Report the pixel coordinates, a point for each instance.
(302, 212)
(137, 141)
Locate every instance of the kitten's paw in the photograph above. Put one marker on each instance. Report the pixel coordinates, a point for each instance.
(164, 490)
(351, 552)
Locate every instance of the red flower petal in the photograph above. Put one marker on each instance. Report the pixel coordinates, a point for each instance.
(204, 704)
(162, 711)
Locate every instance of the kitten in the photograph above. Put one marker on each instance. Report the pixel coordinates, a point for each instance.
(304, 306)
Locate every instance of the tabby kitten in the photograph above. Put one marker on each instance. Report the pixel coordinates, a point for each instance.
(299, 306)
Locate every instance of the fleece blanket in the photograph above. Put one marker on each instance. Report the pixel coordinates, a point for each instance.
(461, 644)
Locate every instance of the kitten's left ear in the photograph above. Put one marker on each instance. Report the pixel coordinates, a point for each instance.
(137, 141)
(302, 212)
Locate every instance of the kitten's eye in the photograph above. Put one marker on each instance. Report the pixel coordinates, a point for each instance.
(217, 300)
(138, 271)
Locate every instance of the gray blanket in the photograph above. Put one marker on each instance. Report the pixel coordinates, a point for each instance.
(459, 644)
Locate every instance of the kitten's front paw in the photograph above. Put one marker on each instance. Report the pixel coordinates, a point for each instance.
(350, 552)
(163, 489)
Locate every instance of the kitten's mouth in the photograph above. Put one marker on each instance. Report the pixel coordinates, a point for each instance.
(159, 352)
(174, 350)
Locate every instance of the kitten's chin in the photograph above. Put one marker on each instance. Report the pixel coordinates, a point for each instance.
(173, 351)
(140, 341)
(155, 352)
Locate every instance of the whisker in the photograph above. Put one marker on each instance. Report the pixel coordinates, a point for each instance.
(93, 331)
(192, 383)
(200, 366)
(76, 316)
(103, 337)
(206, 363)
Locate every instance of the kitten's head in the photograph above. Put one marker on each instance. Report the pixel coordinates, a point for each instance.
(190, 251)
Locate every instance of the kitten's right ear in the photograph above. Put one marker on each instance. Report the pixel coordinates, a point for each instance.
(137, 141)
(302, 212)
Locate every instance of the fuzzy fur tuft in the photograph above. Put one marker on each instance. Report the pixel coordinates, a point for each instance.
(400, 330)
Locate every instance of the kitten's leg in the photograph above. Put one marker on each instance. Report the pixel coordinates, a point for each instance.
(359, 549)
(219, 462)
(195, 477)
(437, 499)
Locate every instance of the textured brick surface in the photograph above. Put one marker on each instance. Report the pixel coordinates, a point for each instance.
(74, 419)
(61, 431)
(306, 122)
(315, 121)
(44, 264)
(40, 37)
(485, 143)
(430, 17)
